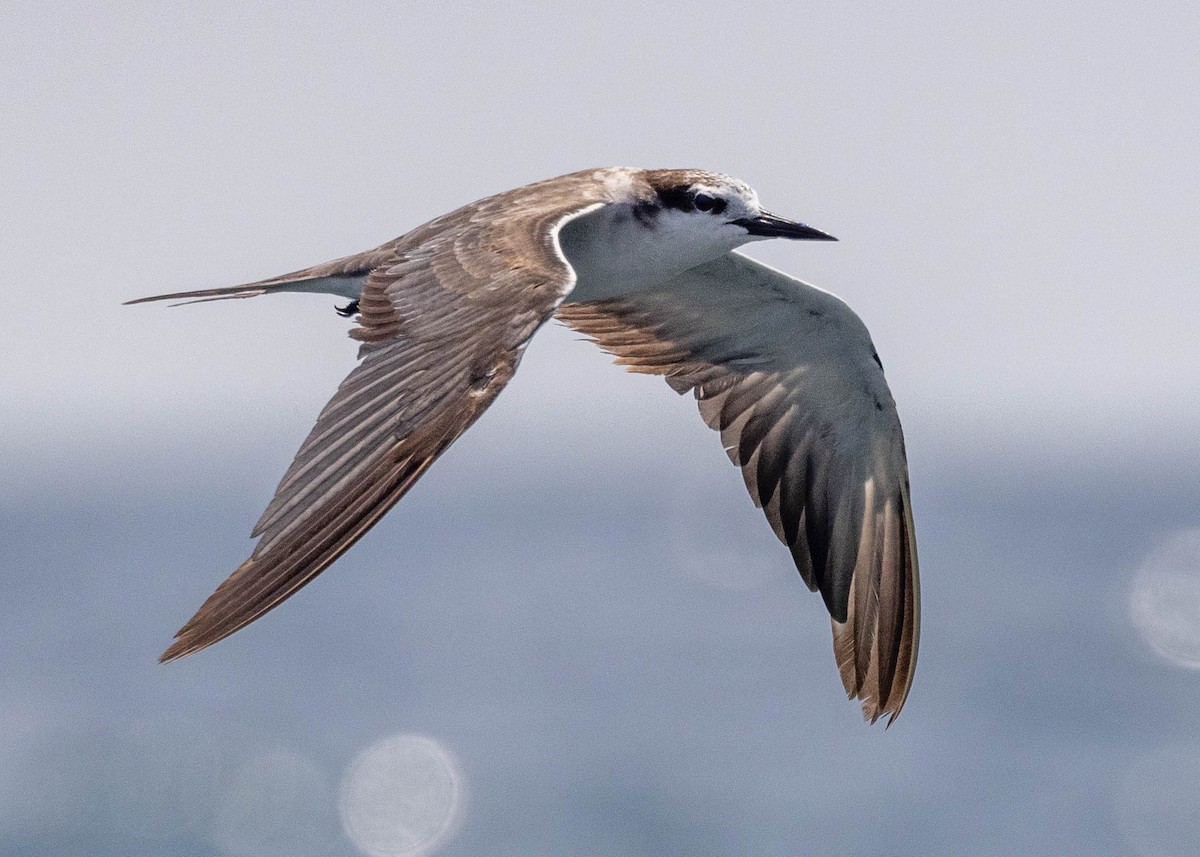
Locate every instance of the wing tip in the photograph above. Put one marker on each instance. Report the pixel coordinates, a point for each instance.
(189, 639)
(872, 712)
(214, 621)
(193, 637)
(175, 651)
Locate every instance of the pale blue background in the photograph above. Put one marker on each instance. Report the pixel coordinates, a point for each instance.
(1015, 188)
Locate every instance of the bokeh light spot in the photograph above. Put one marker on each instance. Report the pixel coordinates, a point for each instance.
(1165, 602)
(401, 797)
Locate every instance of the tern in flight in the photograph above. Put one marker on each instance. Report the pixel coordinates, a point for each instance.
(643, 262)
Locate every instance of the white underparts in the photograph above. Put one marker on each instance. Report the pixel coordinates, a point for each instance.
(618, 249)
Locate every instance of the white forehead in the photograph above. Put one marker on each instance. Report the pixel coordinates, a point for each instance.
(727, 187)
(618, 182)
(624, 184)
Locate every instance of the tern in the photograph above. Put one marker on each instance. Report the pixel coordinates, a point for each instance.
(644, 263)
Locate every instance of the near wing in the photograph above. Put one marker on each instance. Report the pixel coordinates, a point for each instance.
(445, 314)
(788, 374)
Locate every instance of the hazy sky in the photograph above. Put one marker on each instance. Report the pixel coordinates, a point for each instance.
(1014, 187)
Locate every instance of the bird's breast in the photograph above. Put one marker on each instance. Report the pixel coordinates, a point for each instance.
(617, 250)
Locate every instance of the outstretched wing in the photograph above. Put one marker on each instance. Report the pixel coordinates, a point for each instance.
(788, 375)
(445, 314)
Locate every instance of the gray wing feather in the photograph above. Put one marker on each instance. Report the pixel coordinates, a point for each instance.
(788, 375)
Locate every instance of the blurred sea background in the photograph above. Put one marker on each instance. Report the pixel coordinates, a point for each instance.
(576, 636)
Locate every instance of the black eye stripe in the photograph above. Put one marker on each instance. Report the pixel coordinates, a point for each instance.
(683, 198)
(678, 197)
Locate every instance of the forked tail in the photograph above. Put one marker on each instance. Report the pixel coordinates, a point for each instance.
(341, 277)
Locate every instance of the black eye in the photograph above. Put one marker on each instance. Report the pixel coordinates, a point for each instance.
(706, 202)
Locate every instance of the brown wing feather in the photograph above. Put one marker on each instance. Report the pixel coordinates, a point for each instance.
(786, 374)
(333, 522)
(444, 315)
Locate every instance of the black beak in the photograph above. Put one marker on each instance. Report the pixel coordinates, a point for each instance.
(768, 225)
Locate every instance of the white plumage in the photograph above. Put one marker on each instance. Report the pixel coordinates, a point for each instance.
(644, 263)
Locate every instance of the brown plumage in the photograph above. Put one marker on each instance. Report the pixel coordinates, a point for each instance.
(438, 348)
(784, 372)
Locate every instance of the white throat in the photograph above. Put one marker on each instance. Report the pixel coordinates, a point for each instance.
(614, 252)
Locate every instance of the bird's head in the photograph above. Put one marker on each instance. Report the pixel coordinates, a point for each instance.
(715, 207)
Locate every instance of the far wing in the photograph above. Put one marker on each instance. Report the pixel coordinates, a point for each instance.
(788, 375)
(445, 315)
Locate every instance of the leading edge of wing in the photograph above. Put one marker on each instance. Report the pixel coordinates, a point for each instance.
(412, 395)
